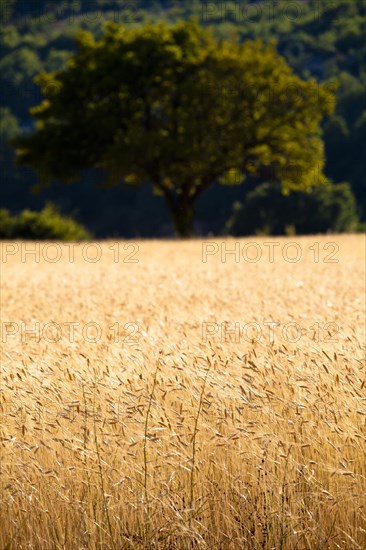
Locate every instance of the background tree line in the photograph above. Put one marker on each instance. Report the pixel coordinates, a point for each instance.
(324, 40)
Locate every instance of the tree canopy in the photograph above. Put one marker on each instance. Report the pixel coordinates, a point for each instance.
(169, 104)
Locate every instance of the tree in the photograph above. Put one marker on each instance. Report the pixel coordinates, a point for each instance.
(172, 106)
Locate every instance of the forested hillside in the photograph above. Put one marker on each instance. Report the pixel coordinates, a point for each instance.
(323, 39)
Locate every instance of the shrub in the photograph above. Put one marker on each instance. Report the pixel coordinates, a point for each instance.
(326, 208)
(7, 224)
(45, 225)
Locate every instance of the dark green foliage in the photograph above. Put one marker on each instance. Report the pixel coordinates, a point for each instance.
(319, 38)
(327, 208)
(345, 137)
(45, 225)
(7, 225)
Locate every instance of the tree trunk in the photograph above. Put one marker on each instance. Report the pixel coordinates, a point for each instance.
(181, 210)
(182, 215)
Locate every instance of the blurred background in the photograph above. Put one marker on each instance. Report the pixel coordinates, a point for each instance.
(320, 39)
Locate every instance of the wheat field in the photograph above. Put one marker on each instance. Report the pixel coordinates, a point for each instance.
(173, 395)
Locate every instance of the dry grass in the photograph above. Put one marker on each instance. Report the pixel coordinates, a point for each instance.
(180, 441)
